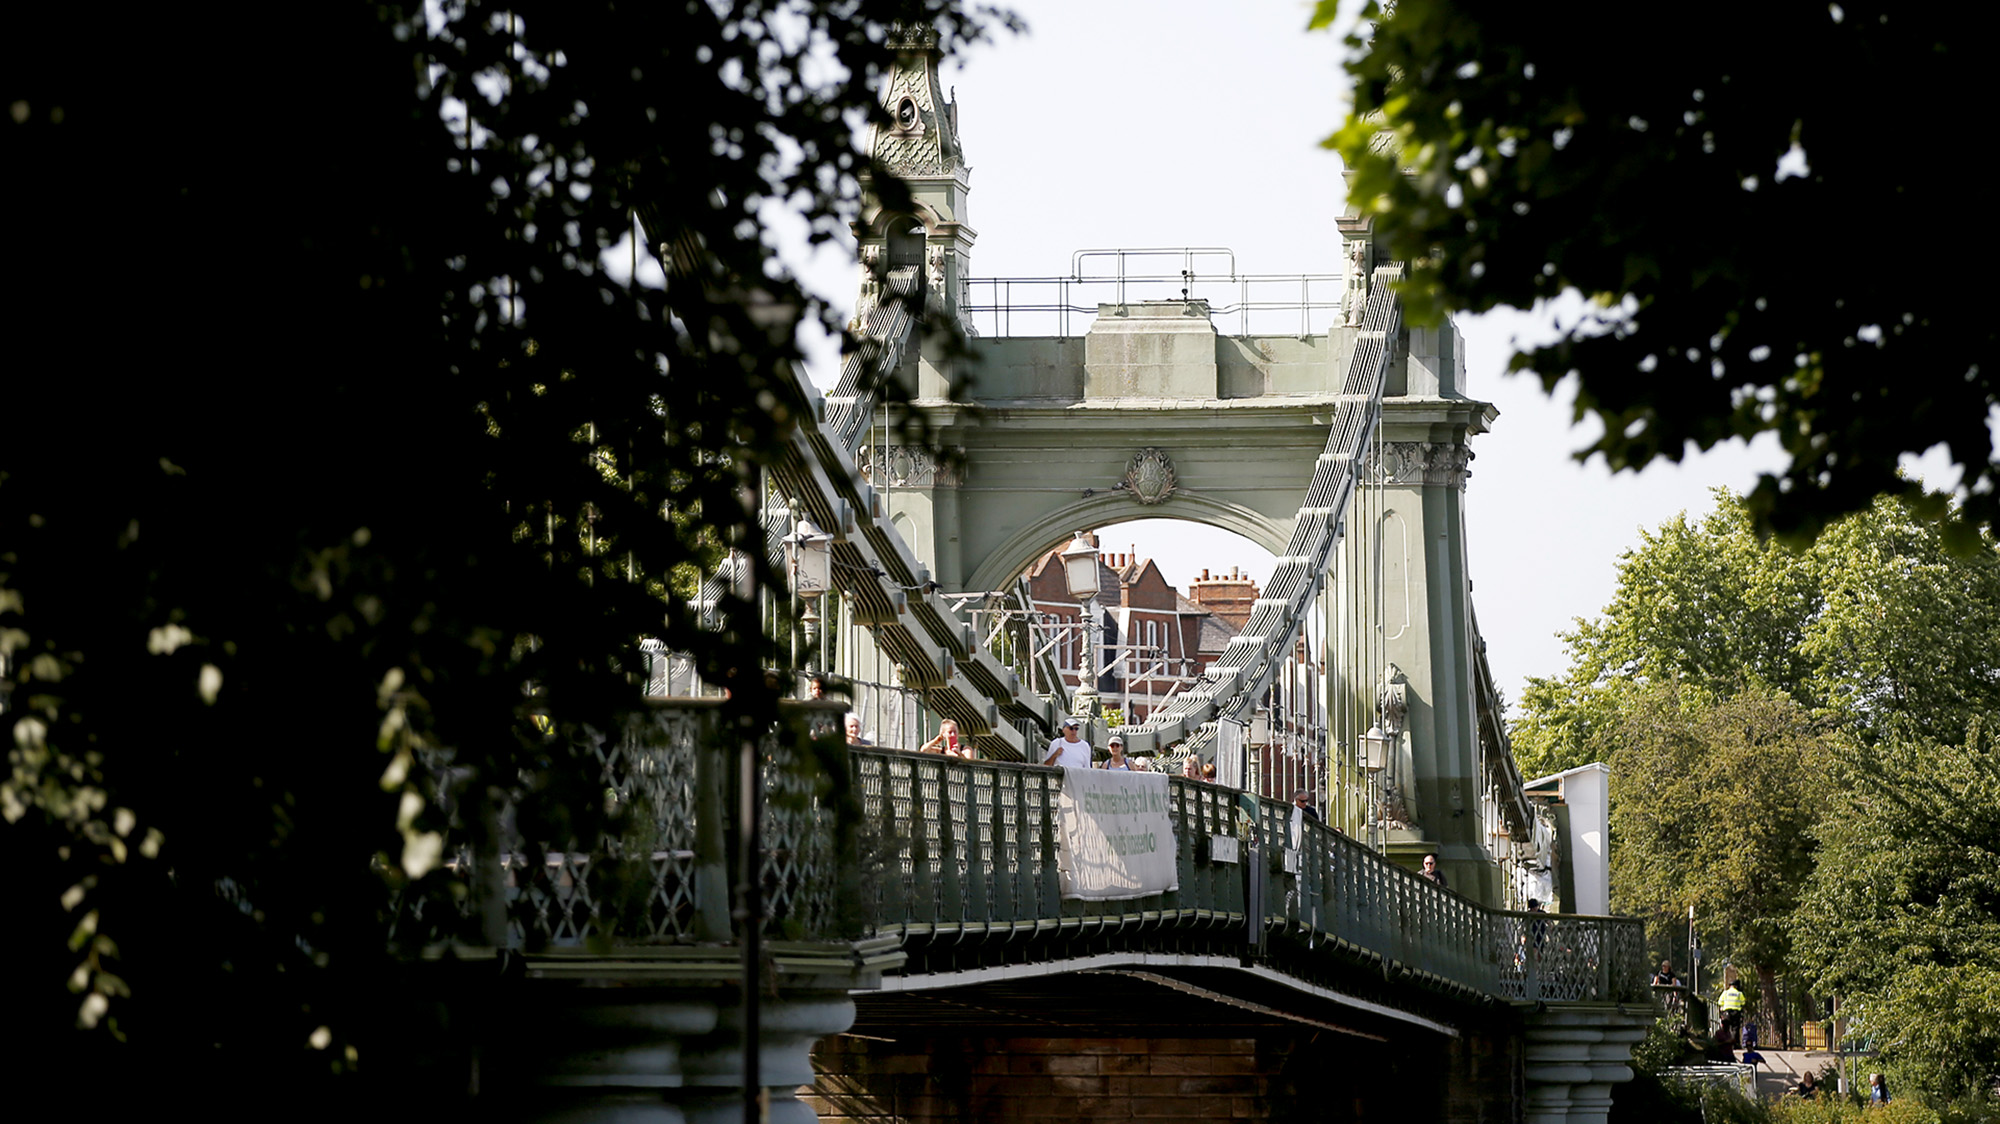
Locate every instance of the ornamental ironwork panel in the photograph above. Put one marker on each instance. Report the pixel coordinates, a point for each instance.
(960, 853)
(801, 879)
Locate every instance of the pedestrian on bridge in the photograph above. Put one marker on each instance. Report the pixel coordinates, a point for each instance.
(1432, 872)
(1116, 748)
(947, 742)
(1069, 751)
(1302, 800)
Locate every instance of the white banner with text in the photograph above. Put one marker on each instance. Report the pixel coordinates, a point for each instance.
(1117, 842)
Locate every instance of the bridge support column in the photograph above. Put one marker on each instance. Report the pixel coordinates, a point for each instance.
(618, 1056)
(1574, 1056)
(655, 1036)
(788, 1028)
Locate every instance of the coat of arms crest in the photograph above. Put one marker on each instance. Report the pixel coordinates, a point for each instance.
(1150, 476)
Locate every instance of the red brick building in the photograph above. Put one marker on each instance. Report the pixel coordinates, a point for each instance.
(1152, 639)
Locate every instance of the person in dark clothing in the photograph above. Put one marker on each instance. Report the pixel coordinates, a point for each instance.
(1303, 802)
(1432, 872)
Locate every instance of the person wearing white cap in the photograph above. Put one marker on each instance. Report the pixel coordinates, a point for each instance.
(1069, 751)
(1117, 760)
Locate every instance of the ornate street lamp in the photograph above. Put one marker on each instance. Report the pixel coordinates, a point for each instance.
(1080, 570)
(809, 557)
(1373, 755)
(1374, 746)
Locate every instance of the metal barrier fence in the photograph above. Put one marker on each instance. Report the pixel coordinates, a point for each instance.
(969, 848)
(924, 846)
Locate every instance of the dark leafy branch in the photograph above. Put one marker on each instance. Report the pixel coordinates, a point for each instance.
(342, 459)
(1742, 206)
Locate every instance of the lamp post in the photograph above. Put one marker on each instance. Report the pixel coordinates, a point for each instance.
(1080, 570)
(809, 556)
(1373, 749)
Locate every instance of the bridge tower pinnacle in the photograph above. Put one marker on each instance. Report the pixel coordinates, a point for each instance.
(920, 144)
(919, 246)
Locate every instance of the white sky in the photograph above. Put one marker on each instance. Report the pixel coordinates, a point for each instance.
(1117, 123)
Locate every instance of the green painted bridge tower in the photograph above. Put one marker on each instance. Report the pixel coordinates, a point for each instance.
(1206, 398)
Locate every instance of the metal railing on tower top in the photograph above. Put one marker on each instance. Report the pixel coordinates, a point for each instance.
(1303, 304)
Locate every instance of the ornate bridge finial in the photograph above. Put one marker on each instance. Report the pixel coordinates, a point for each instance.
(921, 138)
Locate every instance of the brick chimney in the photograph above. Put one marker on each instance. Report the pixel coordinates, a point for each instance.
(1230, 597)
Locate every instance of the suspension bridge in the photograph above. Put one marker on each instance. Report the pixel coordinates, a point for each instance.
(927, 952)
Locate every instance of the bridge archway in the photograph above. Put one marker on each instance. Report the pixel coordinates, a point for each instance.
(1052, 529)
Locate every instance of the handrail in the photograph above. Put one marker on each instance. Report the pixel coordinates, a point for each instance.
(1063, 306)
(968, 847)
(952, 857)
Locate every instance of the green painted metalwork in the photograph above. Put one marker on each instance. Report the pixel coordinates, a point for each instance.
(960, 856)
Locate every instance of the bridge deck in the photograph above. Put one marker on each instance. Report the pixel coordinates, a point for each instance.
(956, 862)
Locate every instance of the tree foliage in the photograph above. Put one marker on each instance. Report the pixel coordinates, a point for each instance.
(1705, 187)
(1909, 634)
(338, 446)
(1700, 603)
(1878, 621)
(1712, 802)
(1786, 733)
(1902, 916)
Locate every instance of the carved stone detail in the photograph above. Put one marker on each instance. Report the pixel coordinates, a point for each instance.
(1426, 463)
(940, 264)
(1392, 702)
(1357, 282)
(907, 466)
(934, 258)
(871, 285)
(1395, 811)
(1150, 477)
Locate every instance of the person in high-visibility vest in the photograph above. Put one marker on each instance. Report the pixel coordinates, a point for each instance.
(1730, 1003)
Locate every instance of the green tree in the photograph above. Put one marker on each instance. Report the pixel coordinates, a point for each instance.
(1908, 631)
(1693, 181)
(1878, 621)
(1712, 806)
(1902, 916)
(1724, 674)
(1699, 602)
(335, 452)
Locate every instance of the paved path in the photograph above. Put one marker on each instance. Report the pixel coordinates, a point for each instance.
(1781, 1070)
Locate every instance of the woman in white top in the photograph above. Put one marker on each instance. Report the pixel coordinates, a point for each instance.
(1116, 747)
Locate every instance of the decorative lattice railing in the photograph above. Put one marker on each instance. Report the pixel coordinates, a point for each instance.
(958, 860)
(669, 880)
